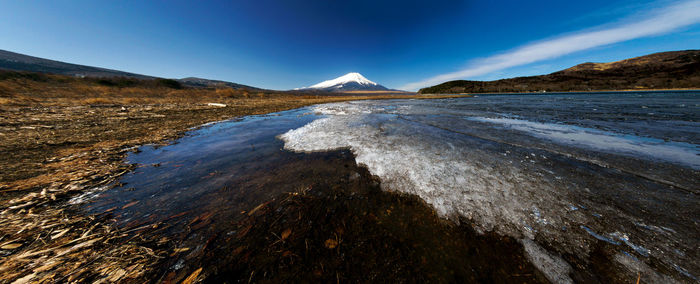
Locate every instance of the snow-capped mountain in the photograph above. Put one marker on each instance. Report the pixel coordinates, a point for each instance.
(348, 82)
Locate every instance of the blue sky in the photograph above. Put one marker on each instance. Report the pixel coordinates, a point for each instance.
(295, 43)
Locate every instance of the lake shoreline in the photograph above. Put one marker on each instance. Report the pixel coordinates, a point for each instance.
(315, 215)
(682, 90)
(333, 222)
(54, 151)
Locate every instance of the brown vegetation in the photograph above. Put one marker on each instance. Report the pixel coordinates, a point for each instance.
(60, 136)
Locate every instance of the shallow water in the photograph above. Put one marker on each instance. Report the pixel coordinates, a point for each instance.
(604, 181)
(190, 174)
(565, 170)
(222, 197)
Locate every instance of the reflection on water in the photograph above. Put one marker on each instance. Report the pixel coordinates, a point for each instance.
(587, 187)
(192, 172)
(229, 199)
(564, 170)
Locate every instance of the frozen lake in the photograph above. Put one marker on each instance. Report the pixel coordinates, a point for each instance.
(579, 180)
(565, 171)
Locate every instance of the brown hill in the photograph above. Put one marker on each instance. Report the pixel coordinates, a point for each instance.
(665, 70)
(11, 61)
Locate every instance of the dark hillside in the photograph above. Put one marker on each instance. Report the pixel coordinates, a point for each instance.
(665, 70)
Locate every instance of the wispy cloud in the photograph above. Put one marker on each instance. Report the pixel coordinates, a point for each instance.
(659, 21)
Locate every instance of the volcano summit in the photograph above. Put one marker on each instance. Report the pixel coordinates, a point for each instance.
(348, 82)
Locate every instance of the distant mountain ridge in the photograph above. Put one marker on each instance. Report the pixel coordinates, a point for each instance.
(19, 62)
(664, 70)
(206, 83)
(349, 82)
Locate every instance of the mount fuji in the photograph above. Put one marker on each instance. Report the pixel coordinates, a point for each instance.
(348, 82)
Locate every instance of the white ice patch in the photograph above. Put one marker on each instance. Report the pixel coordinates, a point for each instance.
(554, 268)
(676, 152)
(509, 190)
(87, 195)
(625, 239)
(456, 179)
(342, 109)
(642, 270)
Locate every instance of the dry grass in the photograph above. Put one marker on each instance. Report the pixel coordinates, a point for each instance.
(61, 136)
(32, 89)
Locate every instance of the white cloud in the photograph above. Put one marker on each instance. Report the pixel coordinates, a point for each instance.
(657, 22)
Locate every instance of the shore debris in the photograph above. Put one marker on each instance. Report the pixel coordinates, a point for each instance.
(330, 243)
(193, 277)
(285, 234)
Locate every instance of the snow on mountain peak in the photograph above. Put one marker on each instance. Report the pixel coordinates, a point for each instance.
(347, 78)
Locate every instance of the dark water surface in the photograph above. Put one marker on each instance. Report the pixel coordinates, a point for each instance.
(192, 172)
(584, 188)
